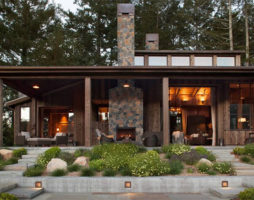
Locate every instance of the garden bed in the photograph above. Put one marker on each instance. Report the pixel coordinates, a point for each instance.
(245, 154)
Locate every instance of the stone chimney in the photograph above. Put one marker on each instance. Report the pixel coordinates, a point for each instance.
(125, 34)
(152, 41)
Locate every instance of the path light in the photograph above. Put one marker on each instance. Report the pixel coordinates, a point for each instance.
(38, 184)
(127, 184)
(224, 184)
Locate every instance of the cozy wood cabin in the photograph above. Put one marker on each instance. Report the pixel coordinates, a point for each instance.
(207, 96)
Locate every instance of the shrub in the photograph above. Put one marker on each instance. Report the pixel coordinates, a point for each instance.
(142, 149)
(176, 167)
(6, 196)
(67, 157)
(208, 155)
(211, 172)
(1, 167)
(249, 149)
(203, 168)
(247, 194)
(82, 152)
(44, 158)
(202, 150)
(190, 170)
(33, 171)
(109, 172)
(19, 152)
(148, 164)
(74, 168)
(125, 172)
(223, 168)
(158, 150)
(177, 149)
(192, 157)
(58, 172)
(87, 172)
(1, 157)
(97, 165)
(11, 161)
(245, 159)
(239, 151)
(211, 157)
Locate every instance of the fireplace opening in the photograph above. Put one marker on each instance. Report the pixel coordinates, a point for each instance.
(126, 133)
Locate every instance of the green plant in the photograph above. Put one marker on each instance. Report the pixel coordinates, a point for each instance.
(176, 167)
(7, 196)
(1, 167)
(204, 152)
(203, 168)
(211, 157)
(141, 149)
(67, 157)
(245, 159)
(239, 151)
(249, 149)
(148, 164)
(125, 172)
(44, 158)
(177, 149)
(19, 152)
(211, 172)
(11, 161)
(58, 172)
(33, 171)
(1, 157)
(190, 170)
(223, 168)
(87, 172)
(158, 150)
(190, 158)
(97, 165)
(82, 152)
(247, 194)
(74, 168)
(109, 172)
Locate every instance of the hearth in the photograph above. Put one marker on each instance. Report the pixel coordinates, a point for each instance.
(126, 132)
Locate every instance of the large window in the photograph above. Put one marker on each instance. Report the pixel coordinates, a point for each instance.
(241, 106)
(203, 61)
(157, 61)
(226, 61)
(24, 118)
(139, 61)
(180, 61)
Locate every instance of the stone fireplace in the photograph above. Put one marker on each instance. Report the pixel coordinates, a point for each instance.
(124, 132)
(126, 109)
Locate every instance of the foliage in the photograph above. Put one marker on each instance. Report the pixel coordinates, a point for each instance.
(87, 172)
(223, 167)
(158, 150)
(1, 157)
(1, 166)
(82, 152)
(58, 172)
(203, 151)
(125, 172)
(141, 149)
(249, 149)
(7, 196)
(176, 167)
(33, 171)
(44, 158)
(190, 170)
(192, 157)
(239, 151)
(176, 149)
(97, 165)
(19, 152)
(245, 159)
(74, 168)
(203, 168)
(247, 194)
(148, 164)
(11, 161)
(109, 172)
(211, 172)
(67, 157)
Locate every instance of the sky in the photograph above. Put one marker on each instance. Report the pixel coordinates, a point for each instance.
(66, 4)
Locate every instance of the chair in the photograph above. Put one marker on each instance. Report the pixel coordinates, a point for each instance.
(103, 138)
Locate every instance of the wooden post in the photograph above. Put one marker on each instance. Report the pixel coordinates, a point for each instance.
(192, 60)
(88, 111)
(16, 122)
(169, 60)
(1, 112)
(220, 112)
(165, 107)
(33, 117)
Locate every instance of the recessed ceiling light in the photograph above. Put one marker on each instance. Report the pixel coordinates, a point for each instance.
(36, 87)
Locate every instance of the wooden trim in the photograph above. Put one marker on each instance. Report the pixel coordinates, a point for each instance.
(192, 60)
(165, 106)
(238, 60)
(146, 60)
(214, 60)
(169, 60)
(88, 111)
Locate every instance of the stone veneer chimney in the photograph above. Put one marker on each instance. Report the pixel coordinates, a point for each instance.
(125, 34)
(152, 41)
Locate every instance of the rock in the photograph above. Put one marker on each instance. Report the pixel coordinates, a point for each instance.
(6, 154)
(82, 161)
(56, 163)
(204, 160)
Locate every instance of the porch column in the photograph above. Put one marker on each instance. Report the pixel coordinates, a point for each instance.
(1, 112)
(165, 110)
(220, 112)
(88, 111)
(33, 117)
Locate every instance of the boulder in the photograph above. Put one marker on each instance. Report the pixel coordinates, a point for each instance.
(56, 163)
(82, 161)
(204, 160)
(6, 154)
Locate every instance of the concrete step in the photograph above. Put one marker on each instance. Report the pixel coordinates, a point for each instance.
(242, 166)
(29, 156)
(7, 186)
(26, 193)
(29, 160)
(226, 193)
(18, 166)
(245, 172)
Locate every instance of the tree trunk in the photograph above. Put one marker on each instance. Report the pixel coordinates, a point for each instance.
(230, 25)
(247, 38)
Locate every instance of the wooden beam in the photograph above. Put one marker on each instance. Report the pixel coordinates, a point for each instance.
(1, 112)
(88, 112)
(165, 106)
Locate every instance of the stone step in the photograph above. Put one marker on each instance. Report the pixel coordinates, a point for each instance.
(7, 186)
(29, 156)
(245, 172)
(226, 193)
(26, 193)
(29, 160)
(242, 166)
(18, 166)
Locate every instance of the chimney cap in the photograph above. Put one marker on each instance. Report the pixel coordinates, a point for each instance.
(125, 8)
(152, 37)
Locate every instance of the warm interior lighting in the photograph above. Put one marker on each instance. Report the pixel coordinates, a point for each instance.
(224, 184)
(38, 184)
(36, 87)
(127, 184)
(126, 85)
(57, 129)
(242, 119)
